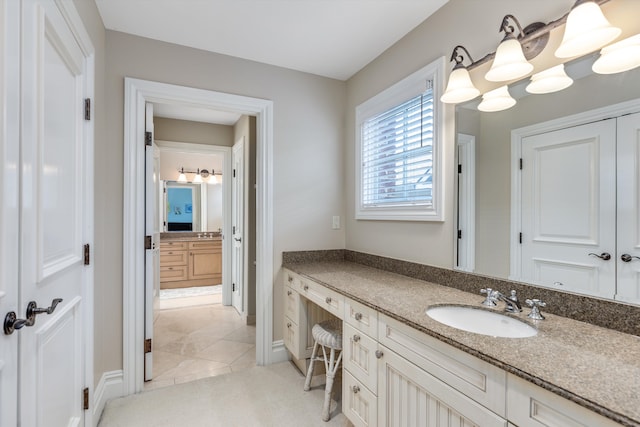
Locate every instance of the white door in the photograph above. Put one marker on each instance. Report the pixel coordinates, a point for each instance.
(56, 218)
(9, 199)
(568, 204)
(628, 256)
(237, 215)
(465, 253)
(152, 240)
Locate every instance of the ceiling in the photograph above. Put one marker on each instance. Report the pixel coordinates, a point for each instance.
(331, 38)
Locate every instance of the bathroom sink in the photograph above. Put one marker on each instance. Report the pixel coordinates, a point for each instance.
(481, 321)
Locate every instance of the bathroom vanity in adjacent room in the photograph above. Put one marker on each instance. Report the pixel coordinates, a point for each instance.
(187, 260)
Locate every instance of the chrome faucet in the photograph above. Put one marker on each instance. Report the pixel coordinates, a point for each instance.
(511, 301)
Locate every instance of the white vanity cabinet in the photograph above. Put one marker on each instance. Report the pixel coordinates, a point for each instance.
(532, 406)
(360, 375)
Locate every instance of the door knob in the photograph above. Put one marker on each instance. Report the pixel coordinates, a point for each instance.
(605, 256)
(12, 323)
(238, 239)
(628, 258)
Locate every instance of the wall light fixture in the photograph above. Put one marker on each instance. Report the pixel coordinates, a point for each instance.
(200, 175)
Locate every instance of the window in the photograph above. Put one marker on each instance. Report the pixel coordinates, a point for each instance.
(398, 137)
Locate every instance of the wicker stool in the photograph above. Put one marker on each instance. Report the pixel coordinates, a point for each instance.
(327, 334)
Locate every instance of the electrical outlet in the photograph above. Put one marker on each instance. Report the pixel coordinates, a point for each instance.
(336, 222)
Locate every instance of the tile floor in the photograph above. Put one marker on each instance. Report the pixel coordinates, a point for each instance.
(198, 337)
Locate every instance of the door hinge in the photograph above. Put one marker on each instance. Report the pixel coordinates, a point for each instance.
(148, 138)
(520, 163)
(87, 109)
(459, 234)
(87, 254)
(233, 287)
(147, 345)
(234, 173)
(148, 242)
(459, 168)
(520, 238)
(85, 398)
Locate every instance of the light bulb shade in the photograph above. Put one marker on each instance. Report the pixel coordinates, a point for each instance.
(197, 179)
(182, 178)
(552, 80)
(509, 63)
(213, 179)
(586, 30)
(460, 87)
(618, 57)
(497, 100)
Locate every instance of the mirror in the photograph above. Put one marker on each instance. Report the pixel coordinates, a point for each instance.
(192, 207)
(492, 234)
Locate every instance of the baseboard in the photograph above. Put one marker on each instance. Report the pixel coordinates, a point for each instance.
(250, 319)
(279, 352)
(111, 385)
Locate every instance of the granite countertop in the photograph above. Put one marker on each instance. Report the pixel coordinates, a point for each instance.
(597, 368)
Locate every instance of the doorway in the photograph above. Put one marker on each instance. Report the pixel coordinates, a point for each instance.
(137, 93)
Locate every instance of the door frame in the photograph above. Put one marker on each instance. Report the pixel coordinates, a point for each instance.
(137, 93)
(517, 135)
(225, 152)
(243, 211)
(466, 202)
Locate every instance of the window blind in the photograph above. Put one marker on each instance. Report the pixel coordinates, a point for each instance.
(397, 155)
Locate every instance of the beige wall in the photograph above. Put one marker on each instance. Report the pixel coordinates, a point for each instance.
(308, 119)
(470, 23)
(192, 132)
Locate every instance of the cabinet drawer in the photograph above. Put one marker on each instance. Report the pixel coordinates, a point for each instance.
(175, 246)
(295, 340)
(204, 244)
(173, 257)
(359, 405)
(359, 356)
(484, 383)
(291, 279)
(172, 274)
(329, 300)
(291, 303)
(531, 406)
(361, 317)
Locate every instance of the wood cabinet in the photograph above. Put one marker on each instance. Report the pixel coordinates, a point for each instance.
(190, 263)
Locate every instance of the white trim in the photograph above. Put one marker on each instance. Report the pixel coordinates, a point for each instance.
(517, 135)
(403, 90)
(466, 220)
(137, 92)
(186, 147)
(109, 387)
(77, 28)
(279, 352)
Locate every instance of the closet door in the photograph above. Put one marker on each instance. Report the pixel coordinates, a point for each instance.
(628, 256)
(568, 209)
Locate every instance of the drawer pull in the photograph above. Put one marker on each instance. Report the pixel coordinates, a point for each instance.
(355, 389)
(170, 253)
(288, 324)
(305, 287)
(290, 279)
(170, 268)
(379, 354)
(358, 316)
(328, 300)
(289, 293)
(356, 338)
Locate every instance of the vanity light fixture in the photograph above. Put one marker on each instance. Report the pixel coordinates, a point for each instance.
(200, 176)
(618, 57)
(460, 87)
(509, 62)
(586, 30)
(551, 80)
(182, 178)
(496, 100)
